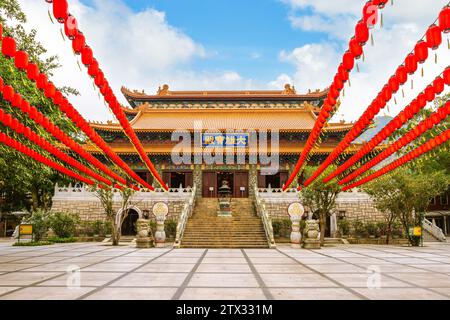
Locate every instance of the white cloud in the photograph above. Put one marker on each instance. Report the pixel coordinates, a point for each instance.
(135, 49)
(404, 24)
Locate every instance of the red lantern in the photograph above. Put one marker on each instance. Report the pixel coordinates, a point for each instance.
(355, 48)
(32, 71)
(93, 68)
(380, 3)
(17, 100)
(386, 93)
(21, 60)
(1, 31)
(342, 73)
(87, 56)
(348, 61)
(362, 32)
(444, 19)
(429, 93)
(446, 76)
(9, 47)
(434, 37)
(78, 43)
(8, 93)
(71, 27)
(438, 85)
(381, 101)
(50, 90)
(41, 81)
(2, 84)
(60, 10)
(421, 51)
(411, 63)
(99, 79)
(422, 100)
(370, 14)
(401, 74)
(393, 84)
(334, 92)
(57, 99)
(25, 106)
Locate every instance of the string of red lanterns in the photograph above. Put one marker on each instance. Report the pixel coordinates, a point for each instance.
(413, 134)
(419, 55)
(354, 52)
(10, 142)
(17, 101)
(427, 95)
(21, 62)
(79, 46)
(427, 147)
(38, 140)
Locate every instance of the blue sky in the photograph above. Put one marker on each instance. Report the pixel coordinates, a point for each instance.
(246, 36)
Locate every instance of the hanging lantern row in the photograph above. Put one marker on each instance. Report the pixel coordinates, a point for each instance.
(354, 52)
(10, 142)
(427, 147)
(436, 118)
(32, 136)
(41, 82)
(419, 55)
(17, 101)
(79, 46)
(428, 95)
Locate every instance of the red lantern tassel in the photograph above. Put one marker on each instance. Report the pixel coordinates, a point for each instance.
(50, 16)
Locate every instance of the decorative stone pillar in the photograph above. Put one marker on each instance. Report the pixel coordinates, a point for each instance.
(160, 210)
(333, 225)
(296, 212)
(311, 235)
(253, 179)
(198, 179)
(143, 240)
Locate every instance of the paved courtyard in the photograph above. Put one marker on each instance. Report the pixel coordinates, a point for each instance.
(341, 272)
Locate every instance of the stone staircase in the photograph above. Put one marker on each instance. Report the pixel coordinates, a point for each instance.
(206, 230)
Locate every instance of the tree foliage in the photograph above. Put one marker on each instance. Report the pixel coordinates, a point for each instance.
(25, 183)
(320, 197)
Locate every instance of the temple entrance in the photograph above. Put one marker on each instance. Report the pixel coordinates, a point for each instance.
(129, 224)
(274, 181)
(237, 181)
(175, 179)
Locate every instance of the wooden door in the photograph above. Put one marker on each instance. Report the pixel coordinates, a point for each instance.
(209, 185)
(189, 179)
(167, 178)
(284, 175)
(241, 181)
(261, 180)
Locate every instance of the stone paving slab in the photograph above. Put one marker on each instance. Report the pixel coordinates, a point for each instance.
(339, 272)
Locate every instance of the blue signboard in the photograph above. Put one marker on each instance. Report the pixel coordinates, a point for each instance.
(225, 139)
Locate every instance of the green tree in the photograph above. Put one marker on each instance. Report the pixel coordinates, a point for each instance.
(406, 194)
(320, 197)
(106, 197)
(25, 183)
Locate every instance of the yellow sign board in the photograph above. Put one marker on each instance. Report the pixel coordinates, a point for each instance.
(26, 230)
(417, 231)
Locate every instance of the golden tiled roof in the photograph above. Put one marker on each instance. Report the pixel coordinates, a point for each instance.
(166, 120)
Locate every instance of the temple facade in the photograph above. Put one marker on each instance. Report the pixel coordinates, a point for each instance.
(247, 138)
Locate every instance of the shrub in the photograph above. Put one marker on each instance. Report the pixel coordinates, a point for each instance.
(32, 244)
(397, 229)
(382, 228)
(61, 240)
(63, 224)
(276, 226)
(358, 228)
(344, 227)
(171, 228)
(98, 227)
(371, 229)
(40, 221)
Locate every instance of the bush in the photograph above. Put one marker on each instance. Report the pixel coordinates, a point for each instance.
(344, 227)
(371, 229)
(358, 228)
(63, 224)
(32, 244)
(98, 227)
(171, 228)
(282, 227)
(40, 221)
(382, 228)
(397, 229)
(62, 240)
